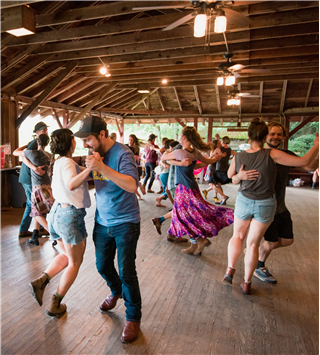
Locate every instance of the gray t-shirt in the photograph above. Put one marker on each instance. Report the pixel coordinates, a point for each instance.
(39, 158)
(264, 186)
(25, 174)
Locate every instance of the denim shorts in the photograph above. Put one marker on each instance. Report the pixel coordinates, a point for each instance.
(67, 223)
(261, 210)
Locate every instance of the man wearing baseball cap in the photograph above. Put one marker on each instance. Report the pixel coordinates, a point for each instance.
(151, 161)
(25, 180)
(117, 219)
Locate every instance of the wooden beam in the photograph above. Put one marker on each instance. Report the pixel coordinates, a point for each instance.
(147, 112)
(101, 30)
(196, 93)
(87, 93)
(119, 99)
(283, 95)
(218, 98)
(138, 123)
(261, 97)
(46, 92)
(177, 97)
(66, 116)
(67, 85)
(88, 13)
(195, 122)
(18, 57)
(56, 117)
(302, 111)
(302, 124)
(73, 90)
(138, 103)
(13, 3)
(287, 127)
(308, 93)
(37, 78)
(160, 100)
(179, 121)
(24, 71)
(93, 103)
(210, 121)
(111, 98)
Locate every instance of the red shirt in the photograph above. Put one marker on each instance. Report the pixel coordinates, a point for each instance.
(151, 155)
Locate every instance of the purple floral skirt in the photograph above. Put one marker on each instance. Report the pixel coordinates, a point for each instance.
(193, 216)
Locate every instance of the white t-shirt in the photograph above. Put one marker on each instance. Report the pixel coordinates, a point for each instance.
(63, 170)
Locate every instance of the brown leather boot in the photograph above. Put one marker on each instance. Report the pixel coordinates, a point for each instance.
(56, 308)
(37, 287)
(246, 287)
(229, 275)
(130, 332)
(109, 303)
(192, 248)
(201, 244)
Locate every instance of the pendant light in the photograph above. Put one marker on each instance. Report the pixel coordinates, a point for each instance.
(200, 22)
(220, 23)
(230, 80)
(220, 80)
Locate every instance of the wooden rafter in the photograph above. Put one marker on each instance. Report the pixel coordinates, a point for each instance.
(283, 95)
(218, 98)
(13, 3)
(46, 92)
(261, 97)
(196, 93)
(56, 117)
(177, 97)
(308, 93)
(92, 104)
(160, 100)
(295, 130)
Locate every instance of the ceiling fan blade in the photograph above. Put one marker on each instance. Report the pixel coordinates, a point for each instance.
(256, 70)
(236, 75)
(180, 22)
(236, 67)
(236, 18)
(247, 94)
(159, 7)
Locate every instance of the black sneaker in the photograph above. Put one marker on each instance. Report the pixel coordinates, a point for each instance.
(264, 275)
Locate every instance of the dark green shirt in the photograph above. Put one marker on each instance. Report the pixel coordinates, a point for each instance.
(25, 174)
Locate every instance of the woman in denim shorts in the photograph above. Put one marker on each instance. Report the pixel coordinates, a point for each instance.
(65, 221)
(256, 202)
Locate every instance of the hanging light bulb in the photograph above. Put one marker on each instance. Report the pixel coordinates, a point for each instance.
(220, 23)
(230, 80)
(103, 70)
(164, 81)
(220, 80)
(200, 24)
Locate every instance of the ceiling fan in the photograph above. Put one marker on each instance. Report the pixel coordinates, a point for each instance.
(228, 71)
(235, 93)
(204, 9)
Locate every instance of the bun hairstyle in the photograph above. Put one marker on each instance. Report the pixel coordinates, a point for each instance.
(43, 140)
(258, 130)
(61, 140)
(225, 140)
(194, 138)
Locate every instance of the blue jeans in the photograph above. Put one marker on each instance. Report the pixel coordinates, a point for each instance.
(149, 168)
(122, 238)
(26, 219)
(164, 181)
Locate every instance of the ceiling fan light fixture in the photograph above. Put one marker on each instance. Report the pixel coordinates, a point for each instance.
(230, 80)
(18, 21)
(103, 70)
(220, 23)
(220, 81)
(237, 102)
(229, 102)
(200, 24)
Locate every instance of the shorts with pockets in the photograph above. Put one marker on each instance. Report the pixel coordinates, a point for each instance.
(67, 223)
(261, 210)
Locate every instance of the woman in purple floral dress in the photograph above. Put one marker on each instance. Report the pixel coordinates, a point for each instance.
(191, 214)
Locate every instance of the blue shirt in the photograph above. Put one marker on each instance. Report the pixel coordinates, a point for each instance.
(115, 205)
(184, 174)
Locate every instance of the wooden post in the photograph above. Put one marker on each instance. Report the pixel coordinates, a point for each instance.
(122, 131)
(210, 120)
(65, 118)
(8, 134)
(287, 126)
(195, 122)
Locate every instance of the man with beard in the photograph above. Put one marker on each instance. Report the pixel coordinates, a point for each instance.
(117, 219)
(280, 232)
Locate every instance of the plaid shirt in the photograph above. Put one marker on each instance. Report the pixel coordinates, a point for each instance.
(172, 176)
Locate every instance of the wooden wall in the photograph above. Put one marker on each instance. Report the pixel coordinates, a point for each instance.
(9, 134)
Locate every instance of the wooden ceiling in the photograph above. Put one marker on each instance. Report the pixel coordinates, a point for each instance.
(57, 68)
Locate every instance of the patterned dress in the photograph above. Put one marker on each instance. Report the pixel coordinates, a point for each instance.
(191, 214)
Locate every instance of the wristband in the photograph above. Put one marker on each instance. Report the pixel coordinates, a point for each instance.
(238, 177)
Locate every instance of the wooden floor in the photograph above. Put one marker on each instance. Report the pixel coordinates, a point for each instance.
(186, 308)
